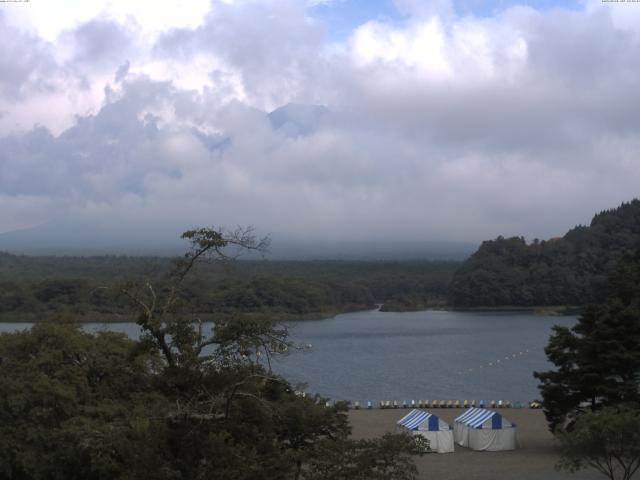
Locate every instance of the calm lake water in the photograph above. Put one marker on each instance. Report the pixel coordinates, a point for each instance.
(375, 355)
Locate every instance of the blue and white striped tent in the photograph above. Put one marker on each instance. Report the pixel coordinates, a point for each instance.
(482, 429)
(437, 431)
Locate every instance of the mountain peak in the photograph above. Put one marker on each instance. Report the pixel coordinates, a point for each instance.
(298, 119)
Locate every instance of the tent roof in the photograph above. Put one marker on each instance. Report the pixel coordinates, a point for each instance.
(475, 418)
(415, 418)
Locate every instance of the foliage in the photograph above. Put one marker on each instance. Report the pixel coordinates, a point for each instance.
(72, 405)
(607, 440)
(571, 270)
(182, 403)
(33, 288)
(383, 458)
(597, 360)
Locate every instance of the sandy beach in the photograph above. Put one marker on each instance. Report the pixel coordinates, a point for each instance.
(534, 460)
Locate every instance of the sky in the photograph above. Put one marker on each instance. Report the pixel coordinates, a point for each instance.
(333, 120)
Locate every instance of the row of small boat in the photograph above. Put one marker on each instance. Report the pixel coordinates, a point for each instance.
(389, 404)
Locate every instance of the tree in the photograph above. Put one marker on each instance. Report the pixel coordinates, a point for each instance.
(375, 459)
(222, 381)
(597, 360)
(161, 311)
(607, 440)
(73, 405)
(184, 402)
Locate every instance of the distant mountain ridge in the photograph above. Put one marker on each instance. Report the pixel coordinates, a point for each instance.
(73, 238)
(68, 238)
(571, 270)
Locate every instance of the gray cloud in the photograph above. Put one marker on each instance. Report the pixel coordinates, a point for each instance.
(272, 46)
(101, 41)
(523, 123)
(122, 71)
(26, 63)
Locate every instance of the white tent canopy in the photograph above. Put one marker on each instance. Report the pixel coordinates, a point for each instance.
(437, 431)
(481, 429)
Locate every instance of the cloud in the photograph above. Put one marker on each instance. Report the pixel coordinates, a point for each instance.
(26, 63)
(438, 126)
(24, 211)
(271, 49)
(101, 41)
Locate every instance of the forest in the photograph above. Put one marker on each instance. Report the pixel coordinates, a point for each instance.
(506, 272)
(571, 270)
(87, 288)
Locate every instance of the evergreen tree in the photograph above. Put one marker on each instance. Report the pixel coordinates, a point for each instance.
(597, 360)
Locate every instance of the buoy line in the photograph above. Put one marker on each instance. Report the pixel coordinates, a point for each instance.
(495, 363)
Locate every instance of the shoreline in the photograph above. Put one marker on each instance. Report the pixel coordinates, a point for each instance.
(553, 310)
(205, 317)
(559, 310)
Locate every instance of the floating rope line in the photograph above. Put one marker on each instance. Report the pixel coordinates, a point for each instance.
(496, 363)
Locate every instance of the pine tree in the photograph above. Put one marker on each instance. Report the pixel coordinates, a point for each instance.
(597, 360)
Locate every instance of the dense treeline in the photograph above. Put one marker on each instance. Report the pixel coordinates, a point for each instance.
(571, 270)
(33, 288)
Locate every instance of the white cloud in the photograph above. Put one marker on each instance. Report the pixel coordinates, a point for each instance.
(50, 19)
(421, 49)
(437, 127)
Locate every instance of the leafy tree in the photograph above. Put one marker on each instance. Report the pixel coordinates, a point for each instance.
(376, 459)
(72, 405)
(182, 403)
(223, 380)
(607, 440)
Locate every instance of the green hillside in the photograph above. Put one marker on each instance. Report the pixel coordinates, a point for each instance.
(571, 270)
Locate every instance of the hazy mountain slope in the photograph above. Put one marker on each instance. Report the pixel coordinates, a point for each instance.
(69, 238)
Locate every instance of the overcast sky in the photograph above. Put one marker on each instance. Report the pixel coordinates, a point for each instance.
(443, 120)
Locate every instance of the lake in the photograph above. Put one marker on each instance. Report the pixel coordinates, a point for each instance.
(375, 355)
